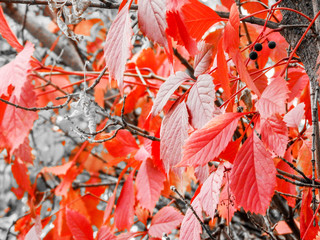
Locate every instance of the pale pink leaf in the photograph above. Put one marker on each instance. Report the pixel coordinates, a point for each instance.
(149, 183)
(117, 48)
(124, 212)
(253, 176)
(293, 118)
(173, 133)
(273, 98)
(274, 134)
(35, 232)
(166, 220)
(152, 20)
(16, 123)
(207, 143)
(203, 59)
(167, 89)
(201, 101)
(210, 191)
(105, 233)
(58, 170)
(190, 227)
(201, 173)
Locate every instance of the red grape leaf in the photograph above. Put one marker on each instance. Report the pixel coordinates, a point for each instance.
(201, 101)
(167, 219)
(7, 34)
(16, 123)
(167, 89)
(117, 47)
(152, 20)
(210, 191)
(124, 212)
(203, 59)
(105, 233)
(190, 227)
(178, 31)
(174, 131)
(123, 144)
(306, 217)
(207, 143)
(149, 183)
(298, 80)
(293, 118)
(273, 98)
(253, 176)
(78, 225)
(274, 134)
(222, 70)
(20, 173)
(198, 18)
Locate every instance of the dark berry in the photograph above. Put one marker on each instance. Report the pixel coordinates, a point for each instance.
(253, 55)
(272, 44)
(258, 47)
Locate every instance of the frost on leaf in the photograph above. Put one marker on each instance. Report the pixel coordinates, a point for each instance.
(117, 47)
(174, 131)
(207, 143)
(273, 98)
(167, 89)
(201, 101)
(253, 176)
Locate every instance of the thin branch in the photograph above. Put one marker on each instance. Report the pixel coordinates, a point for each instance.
(76, 185)
(184, 62)
(296, 169)
(35, 109)
(193, 211)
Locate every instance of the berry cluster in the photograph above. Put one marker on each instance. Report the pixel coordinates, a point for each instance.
(258, 47)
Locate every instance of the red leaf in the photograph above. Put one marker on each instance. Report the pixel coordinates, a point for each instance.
(105, 234)
(124, 212)
(201, 173)
(210, 191)
(78, 225)
(16, 123)
(198, 18)
(306, 217)
(20, 173)
(174, 131)
(123, 144)
(166, 220)
(203, 59)
(58, 170)
(167, 89)
(298, 80)
(24, 152)
(293, 118)
(7, 34)
(149, 184)
(273, 98)
(35, 232)
(190, 227)
(207, 143)
(117, 47)
(274, 134)
(178, 31)
(222, 70)
(231, 31)
(152, 20)
(201, 101)
(253, 176)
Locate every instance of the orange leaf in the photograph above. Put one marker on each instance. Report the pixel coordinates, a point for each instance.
(308, 230)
